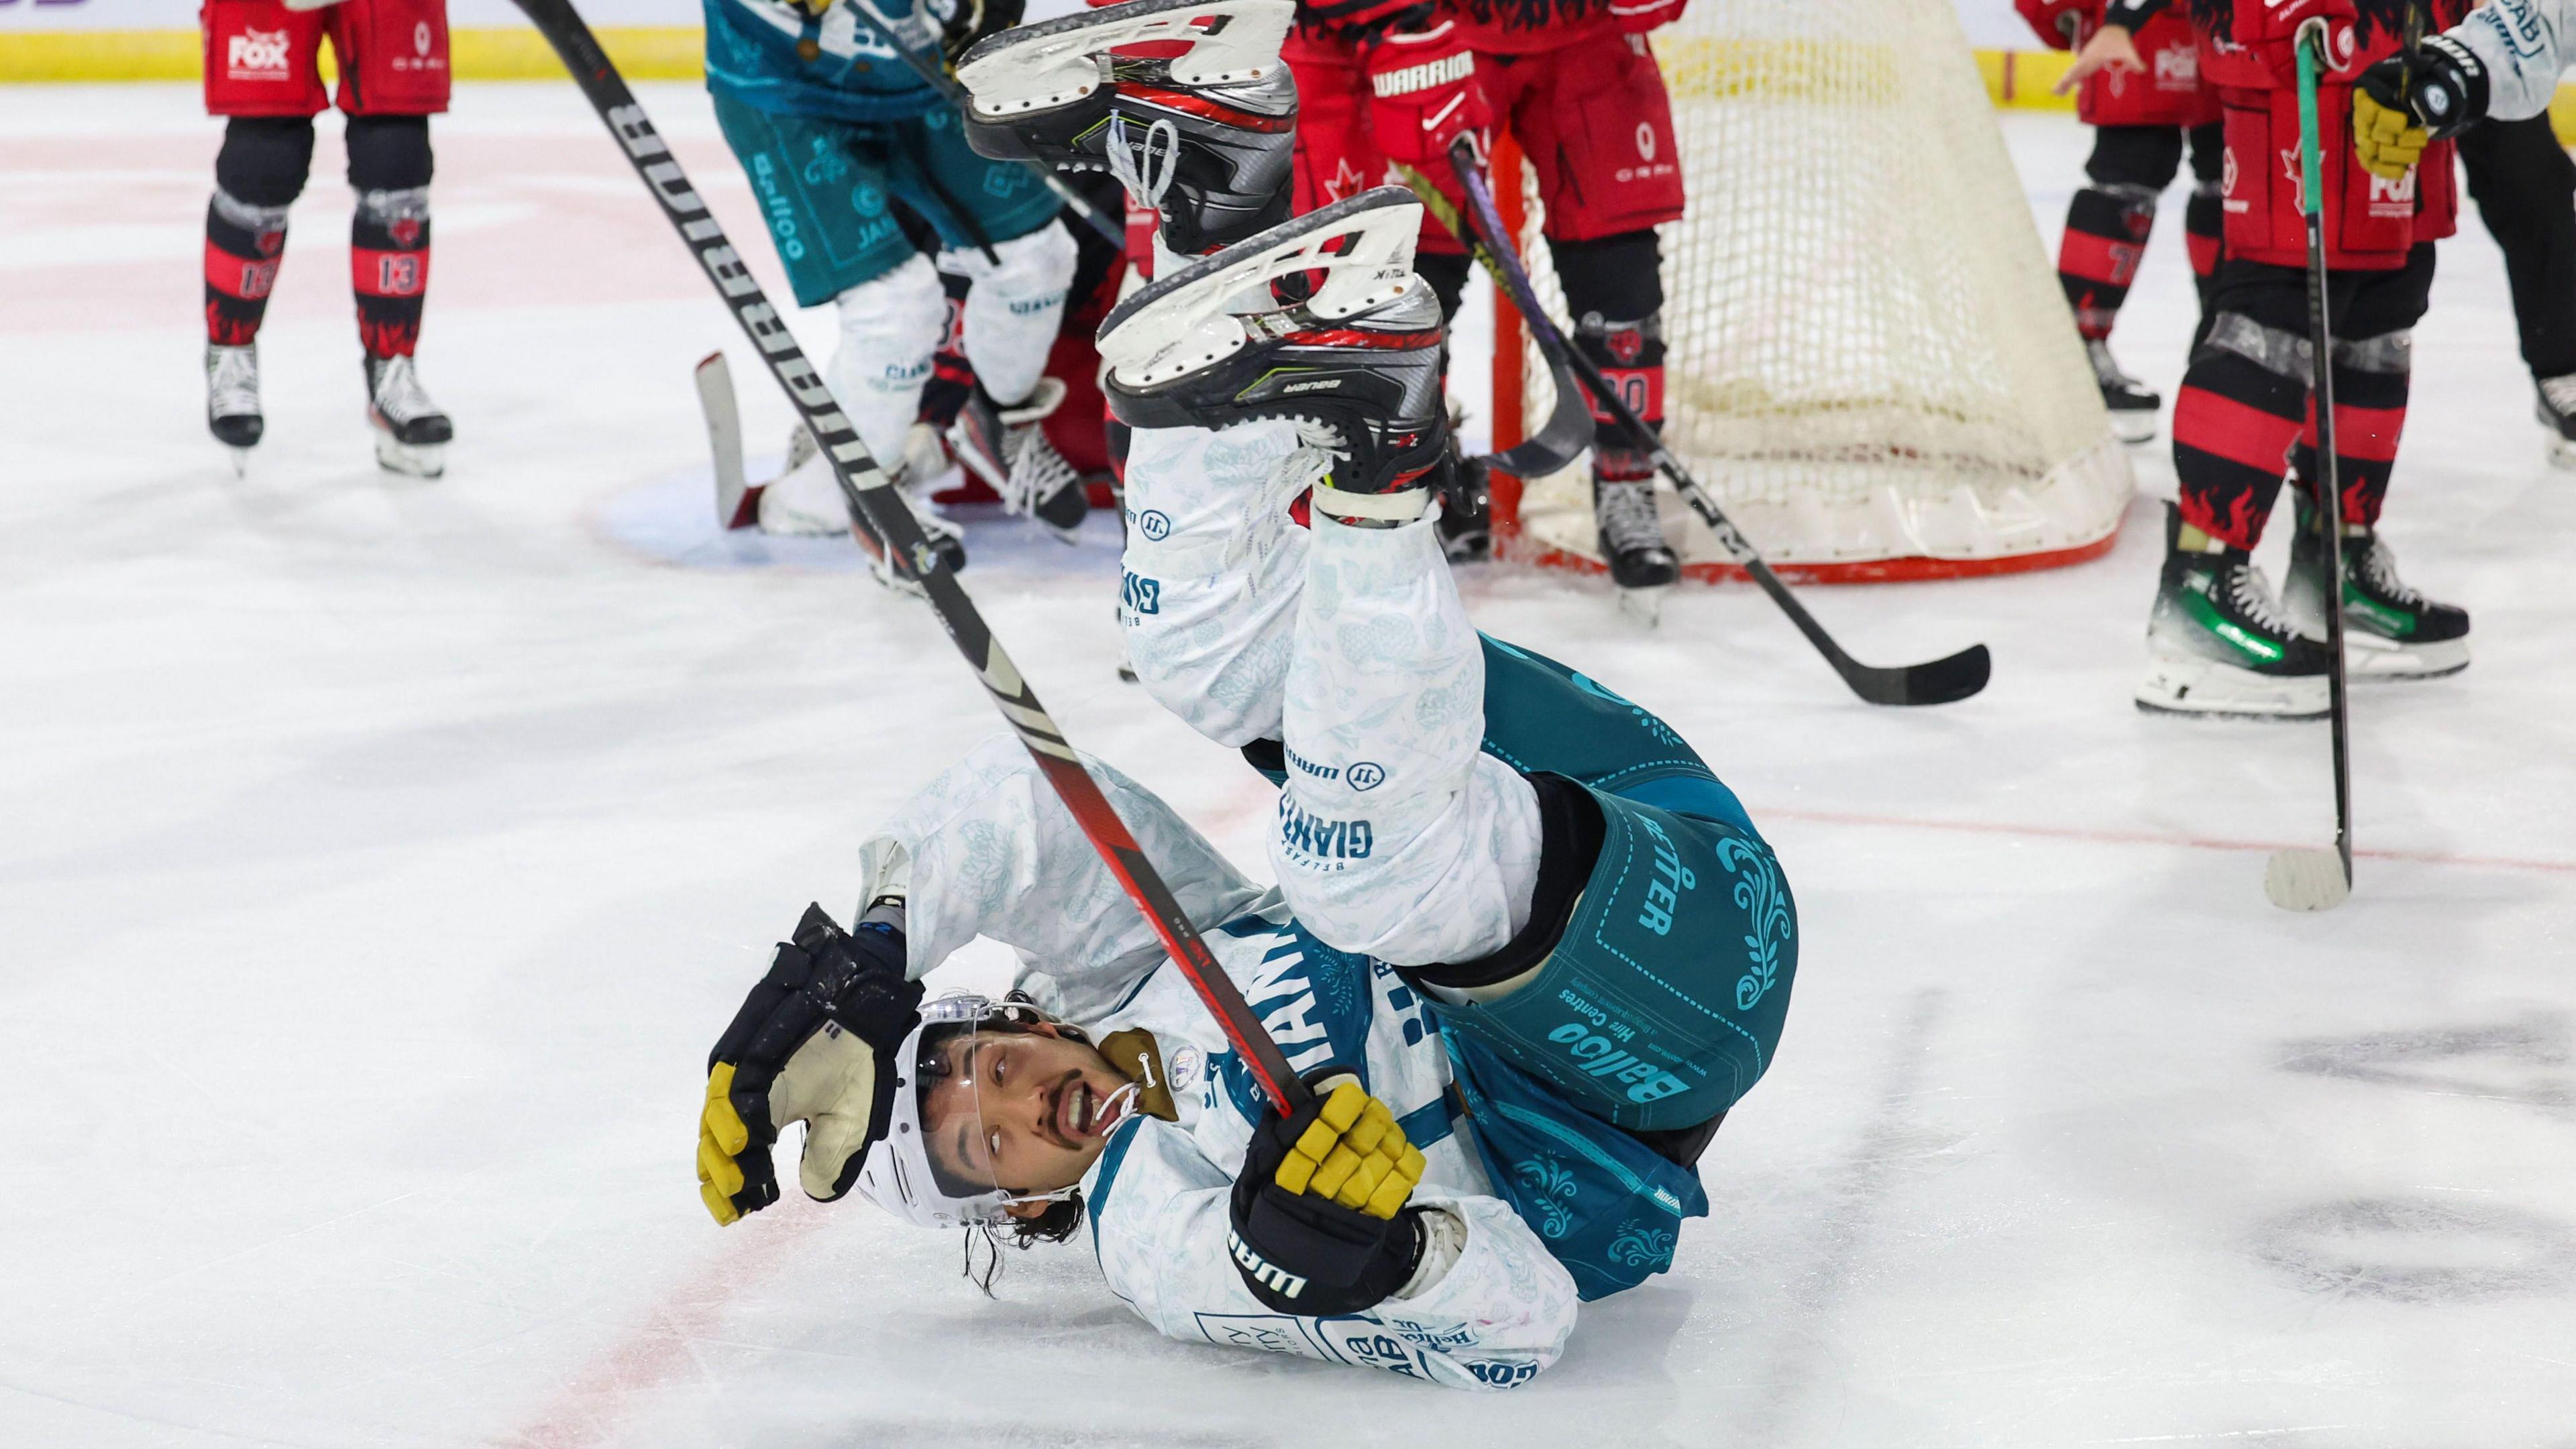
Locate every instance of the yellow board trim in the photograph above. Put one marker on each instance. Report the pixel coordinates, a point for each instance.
(2017, 79)
(642, 52)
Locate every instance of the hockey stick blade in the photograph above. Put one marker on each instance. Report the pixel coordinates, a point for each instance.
(870, 495)
(1939, 681)
(1569, 425)
(737, 502)
(2303, 878)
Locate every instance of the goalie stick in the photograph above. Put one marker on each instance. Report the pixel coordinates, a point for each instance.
(1938, 681)
(2303, 878)
(869, 494)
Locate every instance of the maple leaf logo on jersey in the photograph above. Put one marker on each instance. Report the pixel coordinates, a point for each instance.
(1346, 181)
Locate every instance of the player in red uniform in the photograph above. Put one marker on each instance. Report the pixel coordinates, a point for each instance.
(1384, 82)
(262, 73)
(2141, 120)
(2217, 641)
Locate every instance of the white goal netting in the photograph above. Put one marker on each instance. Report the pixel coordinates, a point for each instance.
(1870, 364)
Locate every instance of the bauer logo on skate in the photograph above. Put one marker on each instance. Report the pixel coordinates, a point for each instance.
(256, 55)
(1663, 893)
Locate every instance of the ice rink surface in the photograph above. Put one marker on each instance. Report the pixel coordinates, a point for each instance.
(378, 859)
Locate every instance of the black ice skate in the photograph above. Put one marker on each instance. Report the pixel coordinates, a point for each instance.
(1009, 450)
(1356, 362)
(2390, 630)
(1632, 535)
(2218, 644)
(1204, 137)
(2131, 403)
(1466, 505)
(411, 433)
(2557, 413)
(232, 399)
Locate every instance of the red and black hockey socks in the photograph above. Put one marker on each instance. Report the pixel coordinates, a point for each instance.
(389, 168)
(2243, 417)
(244, 244)
(389, 268)
(258, 174)
(1614, 288)
(2106, 234)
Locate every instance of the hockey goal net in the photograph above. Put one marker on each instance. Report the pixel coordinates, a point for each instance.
(1869, 363)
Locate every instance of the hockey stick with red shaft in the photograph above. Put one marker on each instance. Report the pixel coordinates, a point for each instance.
(1938, 681)
(2299, 878)
(871, 498)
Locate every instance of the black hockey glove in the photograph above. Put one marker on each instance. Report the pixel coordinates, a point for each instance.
(814, 1043)
(1320, 1221)
(2412, 99)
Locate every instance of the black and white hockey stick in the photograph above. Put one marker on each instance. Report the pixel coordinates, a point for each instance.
(2301, 878)
(1938, 681)
(871, 498)
(938, 79)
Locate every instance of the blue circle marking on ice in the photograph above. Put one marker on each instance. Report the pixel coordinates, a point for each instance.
(1154, 524)
(1366, 775)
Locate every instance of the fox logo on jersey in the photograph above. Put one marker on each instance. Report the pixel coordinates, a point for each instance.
(256, 55)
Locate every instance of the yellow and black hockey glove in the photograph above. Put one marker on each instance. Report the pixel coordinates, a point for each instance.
(2412, 99)
(814, 1042)
(1321, 1218)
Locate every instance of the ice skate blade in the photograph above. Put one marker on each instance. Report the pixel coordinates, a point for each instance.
(240, 459)
(2297, 878)
(1645, 605)
(2557, 447)
(2368, 657)
(2139, 428)
(414, 460)
(2207, 689)
(1054, 62)
(1181, 324)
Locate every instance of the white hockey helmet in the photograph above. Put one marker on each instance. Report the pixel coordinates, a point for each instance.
(898, 1176)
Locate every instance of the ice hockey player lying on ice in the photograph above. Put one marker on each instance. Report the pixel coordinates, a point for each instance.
(1525, 944)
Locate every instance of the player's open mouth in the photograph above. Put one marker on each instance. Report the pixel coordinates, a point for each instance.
(1077, 1111)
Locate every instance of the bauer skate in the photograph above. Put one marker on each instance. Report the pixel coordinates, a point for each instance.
(2390, 630)
(411, 433)
(2131, 403)
(1632, 534)
(1356, 363)
(1204, 136)
(2218, 644)
(232, 400)
(1008, 449)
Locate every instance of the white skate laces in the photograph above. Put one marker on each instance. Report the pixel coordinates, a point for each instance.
(399, 395)
(1132, 159)
(232, 382)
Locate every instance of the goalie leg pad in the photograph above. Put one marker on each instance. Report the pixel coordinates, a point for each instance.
(1014, 307)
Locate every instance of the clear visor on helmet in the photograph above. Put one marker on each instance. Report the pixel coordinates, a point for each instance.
(987, 1091)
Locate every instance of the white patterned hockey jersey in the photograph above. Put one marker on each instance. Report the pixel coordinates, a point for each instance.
(987, 849)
